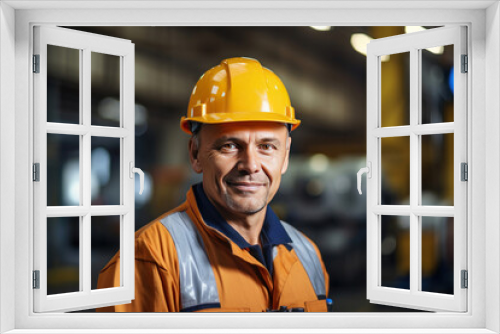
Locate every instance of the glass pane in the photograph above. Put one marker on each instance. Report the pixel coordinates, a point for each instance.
(437, 169)
(105, 243)
(395, 248)
(63, 82)
(437, 84)
(437, 254)
(105, 89)
(395, 170)
(63, 255)
(63, 170)
(105, 171)
(395, 92)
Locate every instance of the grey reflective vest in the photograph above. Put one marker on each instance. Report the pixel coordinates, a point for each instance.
(197, 281)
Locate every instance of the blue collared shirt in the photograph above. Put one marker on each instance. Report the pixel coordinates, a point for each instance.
(272, 233)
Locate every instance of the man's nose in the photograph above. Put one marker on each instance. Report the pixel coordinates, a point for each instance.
(249, 162)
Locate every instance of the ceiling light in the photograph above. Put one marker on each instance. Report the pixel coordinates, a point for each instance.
(319, 163)
(410, 29)
(321, 28)
(359, 42)
(437, 50)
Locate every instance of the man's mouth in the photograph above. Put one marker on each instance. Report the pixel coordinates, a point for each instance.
(245, 186)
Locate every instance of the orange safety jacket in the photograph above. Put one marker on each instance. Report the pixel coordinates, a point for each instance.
(183, 264)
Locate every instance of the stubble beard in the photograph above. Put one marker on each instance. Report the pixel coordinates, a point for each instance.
(248, 208)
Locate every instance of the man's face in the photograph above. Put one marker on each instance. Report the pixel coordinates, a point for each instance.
(242, 164)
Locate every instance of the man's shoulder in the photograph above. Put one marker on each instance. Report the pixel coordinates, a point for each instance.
(292, 231)
(155, 226)
(298, 236)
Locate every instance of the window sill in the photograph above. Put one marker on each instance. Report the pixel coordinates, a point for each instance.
(259, 331)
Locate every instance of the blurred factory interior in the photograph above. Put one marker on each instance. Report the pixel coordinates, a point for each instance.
(324, 70)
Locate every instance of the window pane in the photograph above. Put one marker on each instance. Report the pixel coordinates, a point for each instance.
(437, 254)
(105, 243)
(437, 84)
(395, 248)
(63, 255)
(105, 89)
(105, 171)
(395, 170)
(63, 170)
(437, 169)
(63, 82)
(395, 92)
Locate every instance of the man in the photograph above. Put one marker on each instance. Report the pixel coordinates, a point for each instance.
(224, 250)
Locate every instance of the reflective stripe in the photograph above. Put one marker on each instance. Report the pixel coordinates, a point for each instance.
(309, 258)
(196, 276)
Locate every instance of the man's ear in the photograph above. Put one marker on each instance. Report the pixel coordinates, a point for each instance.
(193, 156)
(287, 155)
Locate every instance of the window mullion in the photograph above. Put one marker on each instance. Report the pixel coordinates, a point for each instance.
(85, 251)
(85, 114)
(85, 165)
(414, 171)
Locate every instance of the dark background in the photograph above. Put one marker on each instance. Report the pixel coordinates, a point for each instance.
(326, 81)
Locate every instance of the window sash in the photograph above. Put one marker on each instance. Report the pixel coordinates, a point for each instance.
(86, 43)
(414, 298)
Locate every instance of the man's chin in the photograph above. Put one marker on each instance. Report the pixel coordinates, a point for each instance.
(246, 207)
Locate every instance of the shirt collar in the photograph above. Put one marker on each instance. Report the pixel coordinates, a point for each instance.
(272, 233)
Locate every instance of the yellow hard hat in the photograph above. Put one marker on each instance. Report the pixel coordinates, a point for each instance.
(239, 90)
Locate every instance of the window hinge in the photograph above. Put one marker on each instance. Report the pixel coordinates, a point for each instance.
(36, 279)
(465, 64)
(464, 171)
(36, 172)
(465, 279)
(36, 63)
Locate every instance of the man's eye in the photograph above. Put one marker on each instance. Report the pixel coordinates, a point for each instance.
(267, 147)
(229, 146)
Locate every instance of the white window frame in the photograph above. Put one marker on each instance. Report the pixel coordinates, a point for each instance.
(16, 21)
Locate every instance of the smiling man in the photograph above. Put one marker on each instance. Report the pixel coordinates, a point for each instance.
(224, 250)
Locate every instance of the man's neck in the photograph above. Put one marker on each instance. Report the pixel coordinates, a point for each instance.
(248, 226)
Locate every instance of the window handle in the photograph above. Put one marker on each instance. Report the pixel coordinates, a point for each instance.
(141, 176)
(363, 170)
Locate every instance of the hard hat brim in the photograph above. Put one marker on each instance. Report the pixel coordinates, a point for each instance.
(219, 118)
